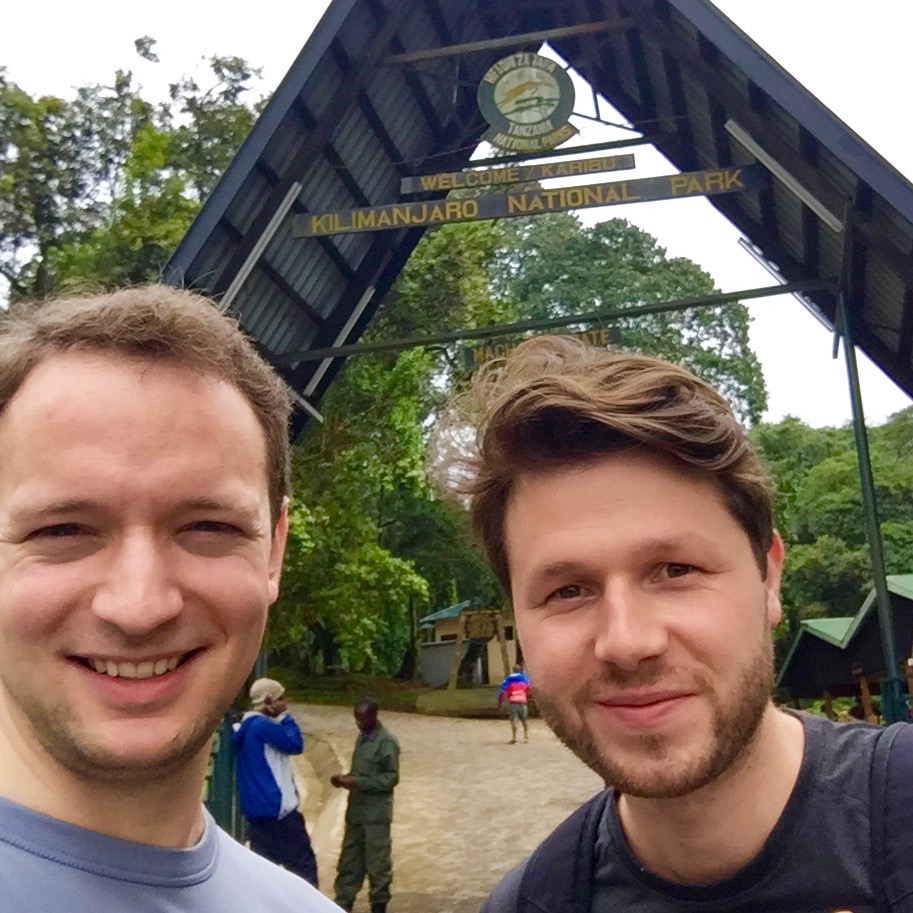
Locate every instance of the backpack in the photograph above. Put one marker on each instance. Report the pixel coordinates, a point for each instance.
(892, 819)
(558, 877)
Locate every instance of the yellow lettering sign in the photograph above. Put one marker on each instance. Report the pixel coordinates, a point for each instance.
(494, 206)
(517, 203)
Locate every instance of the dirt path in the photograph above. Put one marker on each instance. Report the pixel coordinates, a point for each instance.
(467, 809)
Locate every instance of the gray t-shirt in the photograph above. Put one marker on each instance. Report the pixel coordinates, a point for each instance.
(817, 858)
(48, 866)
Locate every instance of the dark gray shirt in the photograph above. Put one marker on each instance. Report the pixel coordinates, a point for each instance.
(816, 860)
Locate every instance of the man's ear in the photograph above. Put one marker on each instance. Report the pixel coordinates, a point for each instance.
(776, 555)
(277, 551)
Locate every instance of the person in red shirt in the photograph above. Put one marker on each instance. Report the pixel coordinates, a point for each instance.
(515, 688)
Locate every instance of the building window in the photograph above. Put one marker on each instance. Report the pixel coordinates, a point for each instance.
(508, 632)
(448, 637)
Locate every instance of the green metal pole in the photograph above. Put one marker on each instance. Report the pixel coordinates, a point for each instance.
(893, 706)
(545, 323)
(221, 793)
(260, 665)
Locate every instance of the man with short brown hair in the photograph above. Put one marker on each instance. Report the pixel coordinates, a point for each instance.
(143, 518)
(619, 502)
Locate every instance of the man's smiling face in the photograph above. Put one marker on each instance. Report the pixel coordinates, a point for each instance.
(137, 562)
(644, 617)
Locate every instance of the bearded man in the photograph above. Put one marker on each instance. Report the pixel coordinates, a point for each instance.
(619, 502)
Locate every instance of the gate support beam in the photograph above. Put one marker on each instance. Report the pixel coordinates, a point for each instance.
(393, 345)
(509, 41)
(893, 706)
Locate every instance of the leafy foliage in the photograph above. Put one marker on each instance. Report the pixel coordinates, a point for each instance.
(350, 594)
(820, 513)
(97, 190)
(552, 266)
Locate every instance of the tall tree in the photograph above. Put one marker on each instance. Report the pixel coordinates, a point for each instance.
(97, 190)
(351, 594)
(363, 471)
(553, 266)
(820, 516)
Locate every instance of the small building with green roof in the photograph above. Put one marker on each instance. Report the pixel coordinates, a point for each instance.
(830, 656)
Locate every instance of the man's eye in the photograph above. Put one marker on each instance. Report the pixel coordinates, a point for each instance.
(213, 526)
(678, 570)
(57, 531)
(570, 591)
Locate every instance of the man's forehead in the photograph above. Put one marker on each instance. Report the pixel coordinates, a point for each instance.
(79, 401)
(551, 496)
(55, 381)
(634, 457)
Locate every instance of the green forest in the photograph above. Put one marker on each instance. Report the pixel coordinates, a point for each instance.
(97, 189)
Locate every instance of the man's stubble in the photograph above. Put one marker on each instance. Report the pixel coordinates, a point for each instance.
(669, 772)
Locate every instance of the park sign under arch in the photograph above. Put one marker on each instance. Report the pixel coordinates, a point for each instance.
(711, 182)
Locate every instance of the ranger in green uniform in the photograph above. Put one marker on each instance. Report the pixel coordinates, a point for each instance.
(366, 844)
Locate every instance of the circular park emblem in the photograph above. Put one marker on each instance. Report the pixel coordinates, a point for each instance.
(527, 99)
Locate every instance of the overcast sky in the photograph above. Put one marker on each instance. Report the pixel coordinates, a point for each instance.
(854, 58)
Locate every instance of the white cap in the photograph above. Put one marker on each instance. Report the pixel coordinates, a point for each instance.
(264, 689)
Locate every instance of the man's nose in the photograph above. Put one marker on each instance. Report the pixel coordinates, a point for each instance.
(631, 629)
(138, 593)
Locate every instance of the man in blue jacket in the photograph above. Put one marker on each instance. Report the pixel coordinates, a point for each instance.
(265, 739)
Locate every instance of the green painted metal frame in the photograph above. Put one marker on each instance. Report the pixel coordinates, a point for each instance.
(220, 793)
(893, 705)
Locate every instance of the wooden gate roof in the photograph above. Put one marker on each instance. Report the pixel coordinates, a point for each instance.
(353, 116)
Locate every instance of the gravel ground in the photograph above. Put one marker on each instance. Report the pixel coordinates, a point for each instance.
(468, 808)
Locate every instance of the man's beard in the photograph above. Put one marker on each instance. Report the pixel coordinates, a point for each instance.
(654, 768)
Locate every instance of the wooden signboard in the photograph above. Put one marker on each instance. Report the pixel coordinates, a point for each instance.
(512, 205)
(515, 174)
(481, 624)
